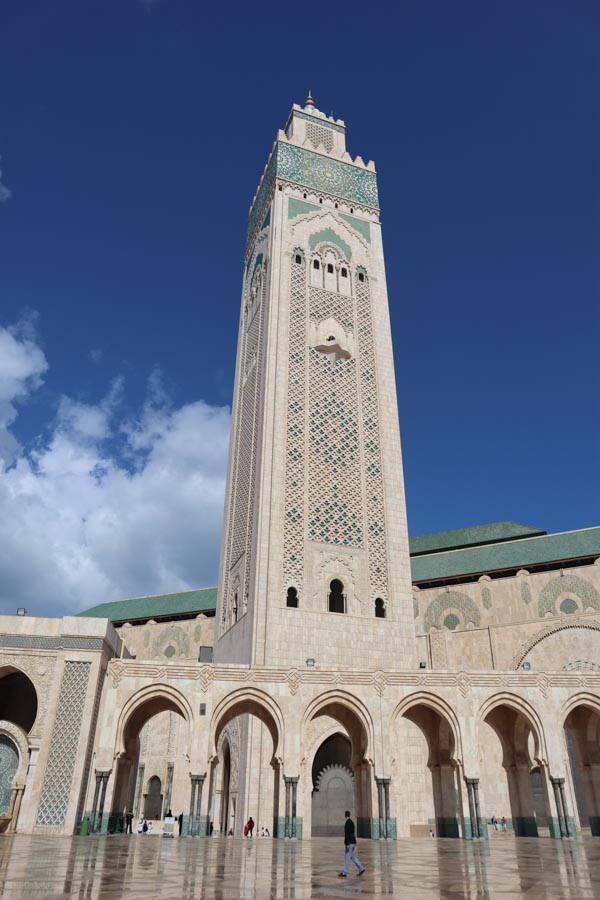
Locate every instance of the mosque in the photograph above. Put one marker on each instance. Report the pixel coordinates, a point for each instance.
(428, 683)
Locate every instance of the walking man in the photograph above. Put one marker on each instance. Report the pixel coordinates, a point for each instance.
(350, 844)
(128, 821)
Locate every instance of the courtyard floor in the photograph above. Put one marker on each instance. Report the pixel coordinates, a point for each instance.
(152, 866)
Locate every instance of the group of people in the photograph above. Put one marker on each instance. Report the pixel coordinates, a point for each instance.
(502, 822)
(249, 829)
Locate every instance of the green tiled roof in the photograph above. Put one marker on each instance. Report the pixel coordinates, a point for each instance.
(155, 607)
(514, 554)
(469, 537)
(528, 547)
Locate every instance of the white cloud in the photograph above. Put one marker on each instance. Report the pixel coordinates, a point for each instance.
(5, 194)
(96, 354)
(112, 503)
(22, 364)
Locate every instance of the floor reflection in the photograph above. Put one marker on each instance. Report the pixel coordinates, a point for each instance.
(222, 868)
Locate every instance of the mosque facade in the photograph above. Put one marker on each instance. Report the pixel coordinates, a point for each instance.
(429, 683)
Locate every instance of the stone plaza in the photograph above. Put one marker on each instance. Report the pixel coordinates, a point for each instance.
(430, 685)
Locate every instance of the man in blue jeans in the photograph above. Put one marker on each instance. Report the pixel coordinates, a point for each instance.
(350, 842)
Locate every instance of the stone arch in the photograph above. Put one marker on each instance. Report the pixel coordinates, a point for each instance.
(522, 706)
(425, 780)
(19, 701)
(515, 776)
(145, 704)
(248, 701)
(580, 718)
(539, 636)
(350, 712)
(567, 583)
(438, 706)
(451, 601)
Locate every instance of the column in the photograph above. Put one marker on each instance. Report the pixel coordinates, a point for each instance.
(138, 792)
(379, 782)
(386, 797)
(168, 789)
(563, 803)
(558, 803)
(294, 782)
(470, 794)
(481, 830)
(95, 803)
(191, 825)
(199, 787)
(104, 776)
(288, 785)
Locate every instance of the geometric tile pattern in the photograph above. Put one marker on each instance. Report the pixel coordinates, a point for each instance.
(9, 763)
(316, 134)
(566, 583)
(245, 438)
(451, 601)
(324, 174)
(38, 642)
(369, 416)
(63, 748)
(293, 554)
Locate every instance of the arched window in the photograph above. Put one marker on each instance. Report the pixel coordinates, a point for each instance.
(344, 272)
(379, 609)
(292, 598)
(315, 264)
(361, 276)
(298, 259)
(330, 268)
(337, 598)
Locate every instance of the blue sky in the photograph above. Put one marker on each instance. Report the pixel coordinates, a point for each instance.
(132, 137)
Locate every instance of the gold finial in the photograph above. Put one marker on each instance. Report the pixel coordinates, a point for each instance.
(309, 101)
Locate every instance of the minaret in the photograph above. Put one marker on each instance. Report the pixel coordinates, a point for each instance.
(314, 560)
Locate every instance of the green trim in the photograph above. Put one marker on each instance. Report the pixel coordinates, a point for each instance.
(359, 225)
(329, 235)
(299, 207)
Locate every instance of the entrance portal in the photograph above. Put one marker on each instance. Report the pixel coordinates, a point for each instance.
(333, 786)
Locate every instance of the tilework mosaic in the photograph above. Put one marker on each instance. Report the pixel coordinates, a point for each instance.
(324, 174)
(65, 741)
(567, 584)
(9, 763)
(451, 601)
(317, 134)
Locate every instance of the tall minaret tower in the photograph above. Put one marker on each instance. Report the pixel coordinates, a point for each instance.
(314, 559)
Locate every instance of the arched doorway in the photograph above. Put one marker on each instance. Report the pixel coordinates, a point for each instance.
(153, 799)
(18, 698)
(513, 778)
(246, 774)
(333, 785)
(340, 771)
(425, 773)
(152, 769)
(582, 738)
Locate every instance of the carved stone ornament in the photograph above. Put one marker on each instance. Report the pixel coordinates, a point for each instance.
(40, 669)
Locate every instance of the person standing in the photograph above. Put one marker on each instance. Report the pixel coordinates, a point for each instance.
(180, 822)
(350, 845)
(503, 823)
(128, 822)
(250, 826)
(495, 823)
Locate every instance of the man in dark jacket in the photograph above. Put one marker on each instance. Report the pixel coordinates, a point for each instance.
(350, 844)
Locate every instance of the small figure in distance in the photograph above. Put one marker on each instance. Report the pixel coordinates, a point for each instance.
(431, 834)
(350, 847)
(267, 832)
(129, 821)
(140, 828)
(250, 826)
(503, 823)
(180, 822)
(494, 822)
(145, 827)
(211, 828)
(262, 831)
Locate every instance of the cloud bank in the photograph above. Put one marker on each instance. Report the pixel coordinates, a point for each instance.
(111, 502)
(5, 194)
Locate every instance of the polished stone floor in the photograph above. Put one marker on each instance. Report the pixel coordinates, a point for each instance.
(151, 866)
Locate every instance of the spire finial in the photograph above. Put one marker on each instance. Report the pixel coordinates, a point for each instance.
(309, 101)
